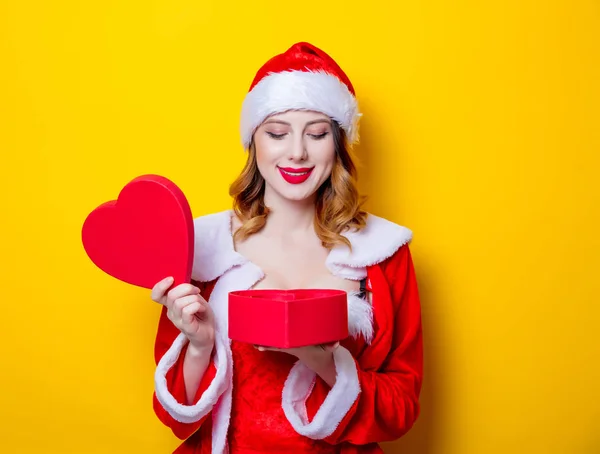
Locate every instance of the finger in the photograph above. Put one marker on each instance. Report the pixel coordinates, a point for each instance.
(182, 290)
(180, 303)
(188, 313)
(160, 288)
(330, 347)
(262, 348)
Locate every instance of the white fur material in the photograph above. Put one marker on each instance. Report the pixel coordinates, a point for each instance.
(215, 257)
(214, 253)
(373, 244)
(299, 90)
(360, 317)
(340, 399)
(241, 277)
(191, 413)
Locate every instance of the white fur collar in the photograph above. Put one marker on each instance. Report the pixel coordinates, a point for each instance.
(373, 244)
(214, 251)
(215, 257)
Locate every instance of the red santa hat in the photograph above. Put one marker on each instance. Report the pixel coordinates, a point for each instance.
(302, 78)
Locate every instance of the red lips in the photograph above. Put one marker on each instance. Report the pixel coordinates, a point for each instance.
(295, 175)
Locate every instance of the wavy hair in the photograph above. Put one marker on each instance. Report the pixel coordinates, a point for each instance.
(338, 204)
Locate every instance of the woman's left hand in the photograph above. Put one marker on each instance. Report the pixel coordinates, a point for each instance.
(319, 358)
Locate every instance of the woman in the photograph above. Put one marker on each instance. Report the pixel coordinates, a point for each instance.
(297, 222)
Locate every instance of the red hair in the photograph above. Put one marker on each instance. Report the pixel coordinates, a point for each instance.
(338, 206)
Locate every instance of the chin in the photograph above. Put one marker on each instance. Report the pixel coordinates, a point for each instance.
(296, 194)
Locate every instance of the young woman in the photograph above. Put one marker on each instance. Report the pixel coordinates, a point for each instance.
(296, 222)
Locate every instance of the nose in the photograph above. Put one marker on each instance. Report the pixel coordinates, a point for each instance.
(298, 150)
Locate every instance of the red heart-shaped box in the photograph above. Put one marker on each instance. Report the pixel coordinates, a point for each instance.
(145, 235)
(288, 318)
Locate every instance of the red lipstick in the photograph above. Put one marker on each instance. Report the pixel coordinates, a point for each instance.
(295, 175)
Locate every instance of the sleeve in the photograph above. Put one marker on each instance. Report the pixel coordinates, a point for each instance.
(169, 397)
(379, 401)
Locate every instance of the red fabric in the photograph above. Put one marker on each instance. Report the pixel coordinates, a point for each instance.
(258, 423)
(302, 57)
(166, 334)
(389, 371)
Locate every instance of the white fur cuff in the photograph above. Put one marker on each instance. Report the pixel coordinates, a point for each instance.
(338, 402)
(190, 413)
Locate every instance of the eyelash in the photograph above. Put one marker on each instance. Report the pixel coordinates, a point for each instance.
(280, 136)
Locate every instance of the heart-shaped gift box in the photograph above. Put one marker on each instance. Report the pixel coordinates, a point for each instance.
(288, 318)
(145, 235)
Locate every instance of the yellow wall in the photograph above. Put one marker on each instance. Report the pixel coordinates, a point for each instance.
(481, 133)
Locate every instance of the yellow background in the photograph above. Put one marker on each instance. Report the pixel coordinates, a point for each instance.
(480, 132)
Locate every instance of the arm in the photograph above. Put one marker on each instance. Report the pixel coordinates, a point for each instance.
(195, 364)
(374, 399)
(187, 382)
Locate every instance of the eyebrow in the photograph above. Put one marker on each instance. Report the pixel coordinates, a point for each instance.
(322, 120)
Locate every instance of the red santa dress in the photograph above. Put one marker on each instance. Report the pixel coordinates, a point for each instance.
(251, 402)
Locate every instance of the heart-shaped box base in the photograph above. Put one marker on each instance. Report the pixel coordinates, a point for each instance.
(288, 318)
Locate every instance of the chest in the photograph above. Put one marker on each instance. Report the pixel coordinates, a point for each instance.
(293, 264)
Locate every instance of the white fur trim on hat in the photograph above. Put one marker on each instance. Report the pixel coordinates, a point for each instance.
(299, 90)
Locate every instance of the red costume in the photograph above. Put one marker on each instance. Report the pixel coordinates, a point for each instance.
(253, 402)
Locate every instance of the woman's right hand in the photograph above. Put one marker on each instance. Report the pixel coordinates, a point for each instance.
(188, 311)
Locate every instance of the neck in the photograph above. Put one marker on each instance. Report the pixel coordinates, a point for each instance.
(289, 216)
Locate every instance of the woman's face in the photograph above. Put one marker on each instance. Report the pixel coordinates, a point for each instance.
(295, 153)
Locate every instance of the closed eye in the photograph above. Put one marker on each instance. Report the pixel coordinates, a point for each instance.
(275, 136)
(319, 136)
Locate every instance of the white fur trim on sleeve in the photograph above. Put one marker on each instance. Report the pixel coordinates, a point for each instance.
(338, 402)
(191, 413)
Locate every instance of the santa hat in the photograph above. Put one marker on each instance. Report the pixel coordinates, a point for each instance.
(302, 78)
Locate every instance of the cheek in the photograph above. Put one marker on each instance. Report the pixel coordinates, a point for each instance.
(268, 150)
(326, 154)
